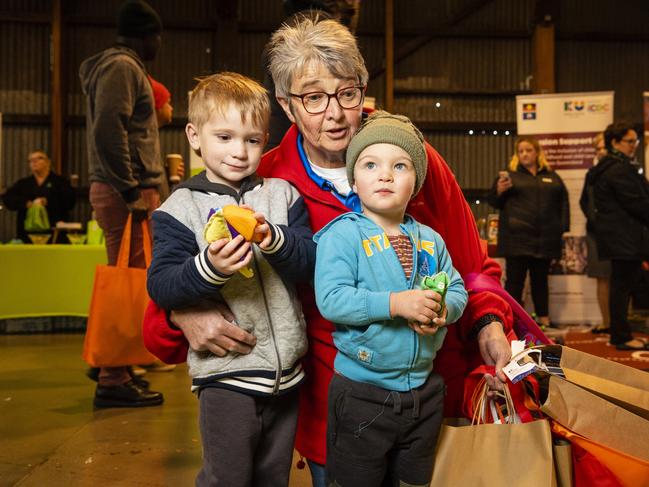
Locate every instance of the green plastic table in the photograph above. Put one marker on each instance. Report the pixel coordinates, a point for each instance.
(47, 280)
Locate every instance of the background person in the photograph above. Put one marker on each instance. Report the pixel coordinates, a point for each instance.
(44, 187)
(320, 79)
(622, 225)
(162, 102)
(124, 158)
(164, 115)
(534, 213)
(597, 268)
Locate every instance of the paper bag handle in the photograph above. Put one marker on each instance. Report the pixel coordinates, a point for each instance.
(481, 401)
(125, 244)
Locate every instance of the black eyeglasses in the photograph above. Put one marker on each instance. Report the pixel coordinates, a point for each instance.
(316, 102)
(631, 141)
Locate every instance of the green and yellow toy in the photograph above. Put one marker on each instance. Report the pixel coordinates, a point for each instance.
(228, 222)
(438, 283)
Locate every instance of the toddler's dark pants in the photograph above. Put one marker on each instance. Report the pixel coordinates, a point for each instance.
(371, 431)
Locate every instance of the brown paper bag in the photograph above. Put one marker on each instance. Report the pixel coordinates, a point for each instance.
(625, 386)
(562, 454)
(494, 454)
(596, 418)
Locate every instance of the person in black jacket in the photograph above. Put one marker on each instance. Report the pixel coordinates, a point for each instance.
(599, 269)
(621, 222)
(43, 187)
(534, 213)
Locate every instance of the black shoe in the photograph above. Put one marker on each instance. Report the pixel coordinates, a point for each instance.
(128, 395)
(599, 330)
(143, 383)
(626, 346)
(93, 374)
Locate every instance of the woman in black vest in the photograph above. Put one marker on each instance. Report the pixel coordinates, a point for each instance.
(534, 213)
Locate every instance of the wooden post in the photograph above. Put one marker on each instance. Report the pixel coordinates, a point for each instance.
(543, 57)
(389, 55)
(56, 91)
(226, 53)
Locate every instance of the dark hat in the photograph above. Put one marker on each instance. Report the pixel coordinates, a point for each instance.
(385, 128)
(136, 18)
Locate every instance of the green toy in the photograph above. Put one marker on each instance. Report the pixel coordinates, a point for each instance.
(438, 283)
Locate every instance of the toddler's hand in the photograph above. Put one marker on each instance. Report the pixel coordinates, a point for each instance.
(415, 305)
(430, 329)
(228, 257)
(423, 329)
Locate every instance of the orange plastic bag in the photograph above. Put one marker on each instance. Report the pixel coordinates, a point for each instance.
(119, 299)
(629, 471)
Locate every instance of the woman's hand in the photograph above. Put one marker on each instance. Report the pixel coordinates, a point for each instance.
(503, 184)
(213, 330)
(496, 351)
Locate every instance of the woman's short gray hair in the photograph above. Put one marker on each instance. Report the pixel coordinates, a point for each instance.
(310, 39)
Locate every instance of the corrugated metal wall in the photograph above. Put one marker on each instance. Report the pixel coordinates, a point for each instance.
(464, 77)
(599, 66)
(24, 72)
(475, 159)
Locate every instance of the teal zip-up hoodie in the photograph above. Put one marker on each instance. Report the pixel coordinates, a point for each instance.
(356, 270)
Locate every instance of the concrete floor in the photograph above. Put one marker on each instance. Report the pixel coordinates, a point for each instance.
(51, 436)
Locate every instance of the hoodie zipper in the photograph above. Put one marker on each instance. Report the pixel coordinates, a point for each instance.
(415, 337)
(278, 370)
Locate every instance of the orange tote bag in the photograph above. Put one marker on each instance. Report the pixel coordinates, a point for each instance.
(119, 299)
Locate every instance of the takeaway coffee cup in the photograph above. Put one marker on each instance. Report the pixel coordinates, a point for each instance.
(173, 164)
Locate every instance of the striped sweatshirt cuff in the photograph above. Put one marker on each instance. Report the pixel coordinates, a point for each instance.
(277, 241)
(207, 271)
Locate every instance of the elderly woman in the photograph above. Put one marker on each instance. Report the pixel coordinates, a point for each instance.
(320, 80)
(44, 187)
(534, 213)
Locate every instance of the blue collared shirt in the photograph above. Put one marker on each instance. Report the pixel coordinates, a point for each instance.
(351, 201)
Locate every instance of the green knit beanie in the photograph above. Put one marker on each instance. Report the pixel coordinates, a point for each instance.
(384, 128)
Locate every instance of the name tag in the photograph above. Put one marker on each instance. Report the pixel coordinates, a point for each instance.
(546, 180)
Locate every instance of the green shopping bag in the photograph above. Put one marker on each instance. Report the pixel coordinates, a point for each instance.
(37, 220)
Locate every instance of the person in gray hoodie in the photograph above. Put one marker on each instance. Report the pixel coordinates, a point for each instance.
(124, 160)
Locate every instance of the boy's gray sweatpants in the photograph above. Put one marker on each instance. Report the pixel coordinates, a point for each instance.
(247, 440)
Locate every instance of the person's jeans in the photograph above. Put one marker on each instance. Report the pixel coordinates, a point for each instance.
(318, 477)
(111, 213)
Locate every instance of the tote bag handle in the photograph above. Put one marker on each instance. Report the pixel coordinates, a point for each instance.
(125, 245)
